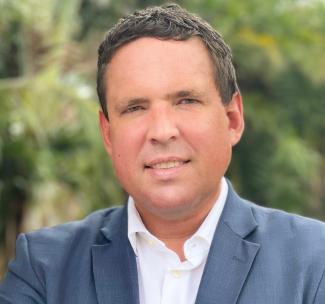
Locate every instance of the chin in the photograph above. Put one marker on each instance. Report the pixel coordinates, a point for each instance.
(169, 208)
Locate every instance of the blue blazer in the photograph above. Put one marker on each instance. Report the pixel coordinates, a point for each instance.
(258, 256)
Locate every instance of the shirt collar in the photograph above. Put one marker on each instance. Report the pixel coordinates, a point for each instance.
(205, 231)
(209, 225)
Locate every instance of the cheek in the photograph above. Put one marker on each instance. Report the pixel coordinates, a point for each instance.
(122, 165)
(126, 144)
(123, 138)
(212, 140)
(210, 134)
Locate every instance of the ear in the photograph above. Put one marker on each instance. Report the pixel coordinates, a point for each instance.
(235, 114)
(104, 126)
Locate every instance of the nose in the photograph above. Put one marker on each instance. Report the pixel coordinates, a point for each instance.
(162, 127)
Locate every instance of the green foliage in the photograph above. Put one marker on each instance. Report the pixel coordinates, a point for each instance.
(53, 166)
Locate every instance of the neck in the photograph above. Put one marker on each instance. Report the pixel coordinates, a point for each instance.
(174, 232)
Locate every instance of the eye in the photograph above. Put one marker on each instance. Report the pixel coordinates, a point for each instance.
(187, 101)
(133, 108)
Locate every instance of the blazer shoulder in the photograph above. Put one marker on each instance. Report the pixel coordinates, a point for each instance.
(54, 246)
(265, 214)
(47, 257)
(291, 228)
(86, 229)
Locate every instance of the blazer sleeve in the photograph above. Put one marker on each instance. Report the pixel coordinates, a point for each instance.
(320, 294)
(21, 283)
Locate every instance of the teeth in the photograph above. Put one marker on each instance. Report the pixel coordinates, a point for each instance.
(167, 165)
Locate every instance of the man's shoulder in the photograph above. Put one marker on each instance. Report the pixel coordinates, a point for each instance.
(271, 216)
(82, 231)
(288, 228)
(49, 257)
(264, 222)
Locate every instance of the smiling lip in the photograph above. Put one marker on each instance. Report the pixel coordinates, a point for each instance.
(164, 164)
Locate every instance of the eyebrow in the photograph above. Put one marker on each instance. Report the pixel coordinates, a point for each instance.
(185, 93)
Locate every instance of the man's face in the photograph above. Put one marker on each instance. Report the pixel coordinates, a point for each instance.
(169, 135)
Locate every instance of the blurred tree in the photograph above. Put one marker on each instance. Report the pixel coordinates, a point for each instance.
(53, 167)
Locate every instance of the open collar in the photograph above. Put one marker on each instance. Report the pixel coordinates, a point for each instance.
(231, 256)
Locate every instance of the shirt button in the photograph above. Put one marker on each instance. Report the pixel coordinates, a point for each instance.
(175, 273)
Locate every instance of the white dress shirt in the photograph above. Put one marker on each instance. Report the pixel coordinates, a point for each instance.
(162, 277)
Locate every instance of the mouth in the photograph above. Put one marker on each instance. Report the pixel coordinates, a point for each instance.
(166, 164)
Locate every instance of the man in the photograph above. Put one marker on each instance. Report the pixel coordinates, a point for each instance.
(171, 112)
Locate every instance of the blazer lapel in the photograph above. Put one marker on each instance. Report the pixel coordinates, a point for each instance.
(231, 256)
(114, 263)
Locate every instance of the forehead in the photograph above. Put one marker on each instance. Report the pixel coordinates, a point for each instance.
(152, 48)
(154, 63)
